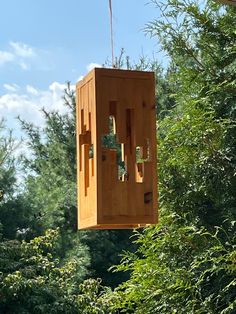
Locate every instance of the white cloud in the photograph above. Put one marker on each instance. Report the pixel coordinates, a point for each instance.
(18, 53)
(27, 103)
(11, 87)
(56, 87)
(22, 50)
(31, 90)
(80, 78)
(24, 66)
(89, 68)
(93, 65)
(5, 57)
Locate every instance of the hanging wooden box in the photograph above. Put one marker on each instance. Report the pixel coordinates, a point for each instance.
(112, 196)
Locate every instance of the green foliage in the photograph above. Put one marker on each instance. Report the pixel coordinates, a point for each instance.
(7, 166)
(14, 213)
(197, 178)
(33, 280)
(106, 247)
(179, 269)
(51, 194)
(186, 264)
(51, 182)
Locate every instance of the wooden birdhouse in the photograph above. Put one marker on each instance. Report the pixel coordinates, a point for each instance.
(116, 149)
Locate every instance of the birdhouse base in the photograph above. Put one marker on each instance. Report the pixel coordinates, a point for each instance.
(115, 226)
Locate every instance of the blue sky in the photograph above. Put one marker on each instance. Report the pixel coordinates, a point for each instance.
(45, 43)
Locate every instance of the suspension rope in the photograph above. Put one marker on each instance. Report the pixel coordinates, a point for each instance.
(111, 33)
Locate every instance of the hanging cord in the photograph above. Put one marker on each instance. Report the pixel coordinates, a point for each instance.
(111, 31)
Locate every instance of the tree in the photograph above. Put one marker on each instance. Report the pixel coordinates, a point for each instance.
(33, 280)
(35, 275)
(14, 214)
(186, 264)
(51, 194)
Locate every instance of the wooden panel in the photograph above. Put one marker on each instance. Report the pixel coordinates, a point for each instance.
(119, 199)
(139, 125)
(115, 226)
(86, 166)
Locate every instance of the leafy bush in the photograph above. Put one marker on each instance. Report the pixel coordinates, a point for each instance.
(33, 280)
